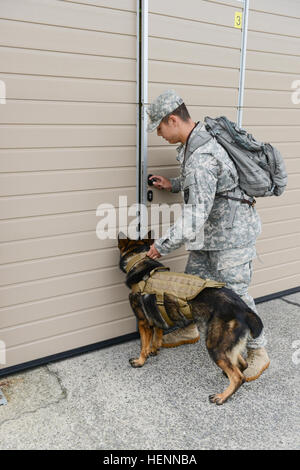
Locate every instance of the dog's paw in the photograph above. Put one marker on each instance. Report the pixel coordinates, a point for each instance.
(153, 353)
(217, 399)
(135, 363)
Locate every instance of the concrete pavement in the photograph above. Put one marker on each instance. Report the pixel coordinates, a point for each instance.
(98, 401)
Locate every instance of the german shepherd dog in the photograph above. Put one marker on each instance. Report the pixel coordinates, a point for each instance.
(226, 317)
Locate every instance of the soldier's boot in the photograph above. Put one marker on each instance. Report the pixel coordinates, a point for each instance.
(188, 335)
(258, 361)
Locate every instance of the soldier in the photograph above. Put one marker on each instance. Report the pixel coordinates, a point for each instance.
(223, 246)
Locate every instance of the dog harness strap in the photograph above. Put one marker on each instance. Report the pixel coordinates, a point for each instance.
(162, 309)
(159, 268)
(139, 287)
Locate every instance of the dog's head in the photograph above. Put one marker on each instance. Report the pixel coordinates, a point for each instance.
(130, 247)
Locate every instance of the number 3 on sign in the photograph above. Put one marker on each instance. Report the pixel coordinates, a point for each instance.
(238, 19)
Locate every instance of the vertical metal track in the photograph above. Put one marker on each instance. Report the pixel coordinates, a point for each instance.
(243, 63)
(142, 100)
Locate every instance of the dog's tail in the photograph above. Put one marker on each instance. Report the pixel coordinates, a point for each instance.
(254, 322)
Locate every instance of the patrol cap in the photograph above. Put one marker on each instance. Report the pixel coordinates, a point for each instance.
(163, 105)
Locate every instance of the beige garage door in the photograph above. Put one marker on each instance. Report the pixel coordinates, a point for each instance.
(67, 138)
(271, 114)
(195, 49)
(200, 60)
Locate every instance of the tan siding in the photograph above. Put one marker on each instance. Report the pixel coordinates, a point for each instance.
(287, 255)
(274, 44)
(70, 15)
(67, 89)
(181, 52)
(276, 63)
(68, 140)
(60, 288)
(275, 243)
(34, 205)
(275, 24)
(25, 112)
(26, 160)
(262, 80)
(35, 62)
(282, 271)
(189, 74)
(32, 136)
(201, 95)
(272, 214)
(13, 252)
(290, 196)
(65, 342)
(279, 243)
(165, 27)
(275, 285)
(278, 7)
(286, 120)
(67, 180)
(127, 5)
(282, 227)
(72, 40)
(200, 11)
(266, 98)
(58, 325)
(35, 227)
(223, 15)
(60, 305)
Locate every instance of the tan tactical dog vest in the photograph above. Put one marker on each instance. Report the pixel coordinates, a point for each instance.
(162, 282)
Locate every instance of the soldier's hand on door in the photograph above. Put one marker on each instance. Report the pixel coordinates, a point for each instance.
(160, 182)
(153, 253)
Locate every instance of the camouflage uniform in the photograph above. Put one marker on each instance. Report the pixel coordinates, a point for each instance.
(223, 245)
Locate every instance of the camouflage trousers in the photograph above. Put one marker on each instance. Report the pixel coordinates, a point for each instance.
(234, 267)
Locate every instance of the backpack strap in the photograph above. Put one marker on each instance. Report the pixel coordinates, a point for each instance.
(233, 203)
(243, 201)
(197, 140)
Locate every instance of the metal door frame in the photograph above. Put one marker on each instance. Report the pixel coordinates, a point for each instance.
(142, 9)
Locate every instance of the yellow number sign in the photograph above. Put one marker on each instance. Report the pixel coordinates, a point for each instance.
(238, 19)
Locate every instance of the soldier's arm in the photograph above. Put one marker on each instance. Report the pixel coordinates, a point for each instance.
(176, 184)
(172, 184)
(199, 187)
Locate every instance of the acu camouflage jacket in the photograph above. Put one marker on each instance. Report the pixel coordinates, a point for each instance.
(209, 222)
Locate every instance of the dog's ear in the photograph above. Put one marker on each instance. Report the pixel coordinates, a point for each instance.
(122, 240)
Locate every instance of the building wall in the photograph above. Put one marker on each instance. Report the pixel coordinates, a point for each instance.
(68, 139)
